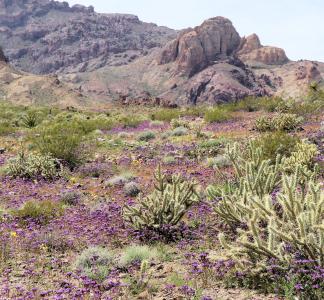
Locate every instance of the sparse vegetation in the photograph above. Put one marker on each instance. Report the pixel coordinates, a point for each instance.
(82, 215)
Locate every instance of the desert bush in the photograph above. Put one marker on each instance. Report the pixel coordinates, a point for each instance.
(276, 143)
(95, 262)
(6, 128)
(41, 212)
(130, 121)
(280, 122)
(121, 179)
(33, 166)
(178, 122)
(132, 189)
(179, 131)
(64, 141)
(166, 114)
(169, 160)
(137, 254)
(70, 198)
(216, 115)
(146, 136)
(220, 161)
(156, 123)
(165, 206)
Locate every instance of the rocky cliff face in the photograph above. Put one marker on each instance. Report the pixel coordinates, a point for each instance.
(252, 52)
(2, 56)
(195, 49)
(207, 64)
(112, 56)
(43, 37)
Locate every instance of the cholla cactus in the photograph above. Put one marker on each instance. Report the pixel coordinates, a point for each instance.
(280, 122)
(298, 224)
(254, 176)
(33, 166)
(303, 155)
(165, 206)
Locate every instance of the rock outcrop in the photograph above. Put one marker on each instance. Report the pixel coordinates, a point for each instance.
(43, 36)
(195, 49)
(251, 51)
(2, 56)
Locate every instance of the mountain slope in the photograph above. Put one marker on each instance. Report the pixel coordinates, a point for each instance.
(43, 37)
(26, 89)
(210, 63)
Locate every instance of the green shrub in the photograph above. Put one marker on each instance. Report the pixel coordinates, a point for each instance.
(276, 143)
(33, 166)
(41, 212)
(166, 114)
(95, 262)
(217, 115)
(146, 136)
(131, 121)
(280, 122)
(64, 141)
(169, 160)
(6, 128)
(137, 254)
(179, 131)
(178, 122)
(165, 206)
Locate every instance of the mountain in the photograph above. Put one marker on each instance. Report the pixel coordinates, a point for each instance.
(26, 89)
(210, 63)
(109, 57)
(43, 37)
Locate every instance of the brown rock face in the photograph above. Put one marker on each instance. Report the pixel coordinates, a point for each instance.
(2, 56)
(43, 36)
(195, 49)
(249, 44)
(251, 51)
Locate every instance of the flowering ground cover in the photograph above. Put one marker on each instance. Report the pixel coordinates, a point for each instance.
(67, 237)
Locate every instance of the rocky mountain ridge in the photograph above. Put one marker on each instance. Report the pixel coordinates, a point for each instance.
(43, 37)
(117, 57)
(210, 63)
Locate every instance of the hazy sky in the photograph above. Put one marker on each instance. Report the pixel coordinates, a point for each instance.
(295, 25)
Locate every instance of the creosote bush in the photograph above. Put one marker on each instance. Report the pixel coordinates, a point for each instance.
(39, 211)
(64, 141)
(165, 206)
(276, 143)
(216, 115)
(33, 166)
